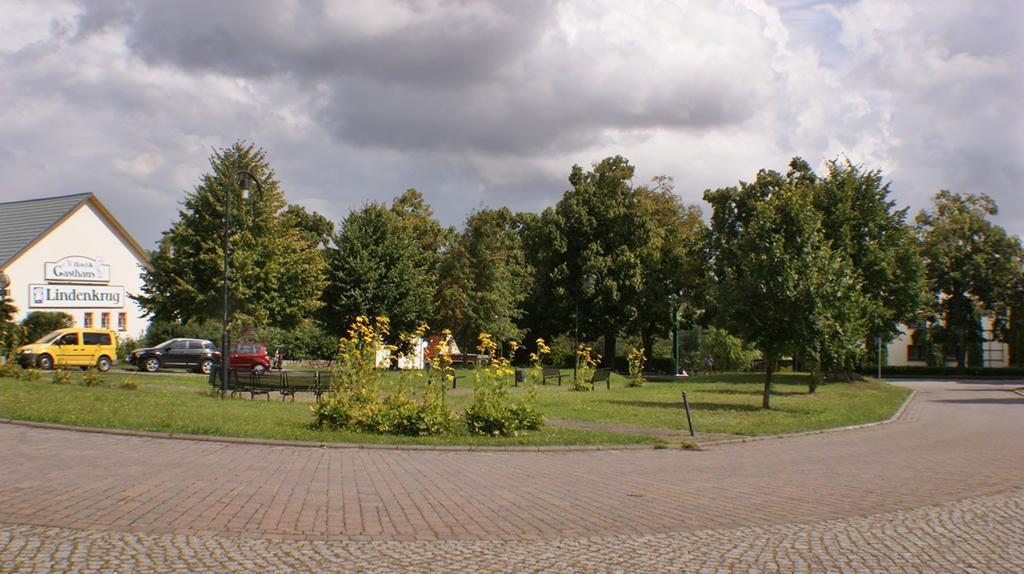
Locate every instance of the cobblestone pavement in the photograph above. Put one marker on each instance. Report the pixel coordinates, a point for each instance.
(984, 535)
(873, 499)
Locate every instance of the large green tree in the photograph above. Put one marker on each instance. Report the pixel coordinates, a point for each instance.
(376, 268)
(275, 272)
(484, 278)
(973, 266)
(779, 284)
(673, 261)
(860, 221)
(591, 253)
(316, 229)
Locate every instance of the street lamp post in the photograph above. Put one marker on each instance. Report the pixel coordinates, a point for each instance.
(240, 178)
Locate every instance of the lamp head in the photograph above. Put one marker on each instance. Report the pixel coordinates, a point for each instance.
(243, 184)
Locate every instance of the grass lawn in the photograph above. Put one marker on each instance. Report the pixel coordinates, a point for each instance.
(181, 404)
(728, 403)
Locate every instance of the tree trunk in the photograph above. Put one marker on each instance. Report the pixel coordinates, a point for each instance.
(819, 367)
(647, 340)
(766, 399)
(609, 350)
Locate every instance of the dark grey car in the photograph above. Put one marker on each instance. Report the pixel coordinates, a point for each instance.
(196, 354)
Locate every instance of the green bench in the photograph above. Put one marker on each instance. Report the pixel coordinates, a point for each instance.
(551, 373)
(601, 375)
(283, 382)
(303, 382)
(261, 384)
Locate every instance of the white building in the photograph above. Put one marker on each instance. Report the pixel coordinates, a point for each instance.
(410, 361)
(902, 352)
(69, 254)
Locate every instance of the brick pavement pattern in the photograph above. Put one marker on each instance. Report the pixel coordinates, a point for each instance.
(864, 500)
(983, 535)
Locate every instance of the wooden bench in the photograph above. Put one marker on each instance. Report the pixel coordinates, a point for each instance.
(551, 373)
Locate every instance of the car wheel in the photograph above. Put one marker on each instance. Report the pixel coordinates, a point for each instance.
(206, 366)
(151, 364)
(103, 364)
(259, 370)
(45, 362)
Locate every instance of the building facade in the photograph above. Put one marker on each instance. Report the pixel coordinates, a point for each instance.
(69, 254)
(902, 352)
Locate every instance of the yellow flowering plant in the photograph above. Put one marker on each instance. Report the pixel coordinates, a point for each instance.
(536, 375)
(355, 401)
(586, 364)
(491, 412)
(636, 360)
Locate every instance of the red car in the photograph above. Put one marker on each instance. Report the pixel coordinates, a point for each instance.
(252, 357)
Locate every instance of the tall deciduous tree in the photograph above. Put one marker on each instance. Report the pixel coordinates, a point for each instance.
(860, 221)
(376, 268)
(593, 242)
(973, 266)
(484, 278)
(779, 283)
(673, 261)
(316, 230)
(415, 213)
(276, 272)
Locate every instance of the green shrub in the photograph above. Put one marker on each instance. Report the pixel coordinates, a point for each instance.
(91, 378)
(30, 375)
(491, 412)
(161, 330)
(128, 384)
(61, 377)
(125, 346)
(10, 370)
(728, 352)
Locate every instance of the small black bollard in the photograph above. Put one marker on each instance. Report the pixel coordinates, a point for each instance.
(689, 419)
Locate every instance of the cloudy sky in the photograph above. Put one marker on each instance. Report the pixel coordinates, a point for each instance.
(485, 104)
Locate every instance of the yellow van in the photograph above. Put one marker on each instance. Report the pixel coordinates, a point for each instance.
(71, 347)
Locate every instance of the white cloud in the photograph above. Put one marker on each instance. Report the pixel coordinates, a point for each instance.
(491, 103)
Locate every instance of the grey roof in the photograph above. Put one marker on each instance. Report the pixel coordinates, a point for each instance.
(22, 222)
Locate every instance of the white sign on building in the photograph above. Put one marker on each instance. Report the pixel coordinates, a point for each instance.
(77, 269)
(75, 296)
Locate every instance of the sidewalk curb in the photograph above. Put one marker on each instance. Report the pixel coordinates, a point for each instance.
(447, 448)
(895, 417)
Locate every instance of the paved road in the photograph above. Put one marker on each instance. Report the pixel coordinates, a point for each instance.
(885, 498)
